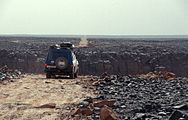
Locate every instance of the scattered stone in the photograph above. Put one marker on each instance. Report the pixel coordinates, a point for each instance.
(26, 87)
(82, 111)
(47, 82)
(49, 105)
(162, 114)
(140, 116)
(88, 99)
(101, 103)
(95, 83)
(181, 107)
(107, 113)
(97, 109)
(83, 104)
(9, 74)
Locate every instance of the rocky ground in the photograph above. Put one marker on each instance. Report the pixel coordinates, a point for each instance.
(141, 98)
(136, 98)
(35, 98)
(145, 80)
(116, 56)
(109, 97)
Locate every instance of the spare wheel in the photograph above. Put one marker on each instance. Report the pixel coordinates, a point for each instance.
(61, 63)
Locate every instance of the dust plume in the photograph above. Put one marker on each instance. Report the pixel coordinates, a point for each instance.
(83, 42)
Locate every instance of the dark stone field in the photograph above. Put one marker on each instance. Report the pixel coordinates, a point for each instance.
(123, 56)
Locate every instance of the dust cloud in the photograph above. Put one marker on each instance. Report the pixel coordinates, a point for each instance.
(83, 42)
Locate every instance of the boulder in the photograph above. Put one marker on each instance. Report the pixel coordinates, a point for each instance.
(101, 103)
(177, 115)
(107, 113)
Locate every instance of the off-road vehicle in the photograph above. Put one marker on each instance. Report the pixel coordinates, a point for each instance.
(61, 60)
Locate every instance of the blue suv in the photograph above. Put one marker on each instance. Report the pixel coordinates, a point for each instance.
(61, 60)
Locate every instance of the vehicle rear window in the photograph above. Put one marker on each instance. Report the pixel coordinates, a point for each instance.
(56, 53)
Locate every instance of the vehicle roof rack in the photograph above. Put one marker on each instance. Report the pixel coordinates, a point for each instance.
(63, 45)
(67, 45)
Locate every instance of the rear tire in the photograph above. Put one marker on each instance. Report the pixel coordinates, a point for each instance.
(53, 76)
(48, 76)
(76, 74)
(72, 76)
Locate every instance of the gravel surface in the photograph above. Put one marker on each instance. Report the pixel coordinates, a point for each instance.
(36, 98)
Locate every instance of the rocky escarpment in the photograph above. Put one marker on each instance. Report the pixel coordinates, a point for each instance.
(124, 62)
(125, 58)
(115, 56)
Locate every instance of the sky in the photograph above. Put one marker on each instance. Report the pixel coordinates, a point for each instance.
(94, 17)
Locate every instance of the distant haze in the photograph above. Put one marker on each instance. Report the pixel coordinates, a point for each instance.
(94, 17)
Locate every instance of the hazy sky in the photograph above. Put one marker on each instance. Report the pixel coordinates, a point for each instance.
(109, 17)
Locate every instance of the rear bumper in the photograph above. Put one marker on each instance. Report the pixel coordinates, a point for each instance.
(56, 71)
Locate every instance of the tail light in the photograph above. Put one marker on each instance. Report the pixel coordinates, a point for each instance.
(45, 65)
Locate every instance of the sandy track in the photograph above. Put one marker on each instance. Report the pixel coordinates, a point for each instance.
(18, 99)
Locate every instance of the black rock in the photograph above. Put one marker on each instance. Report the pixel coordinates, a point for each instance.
(181, 107)
(176, 115)
(83, 104)
(139, 116)
(88, 99)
